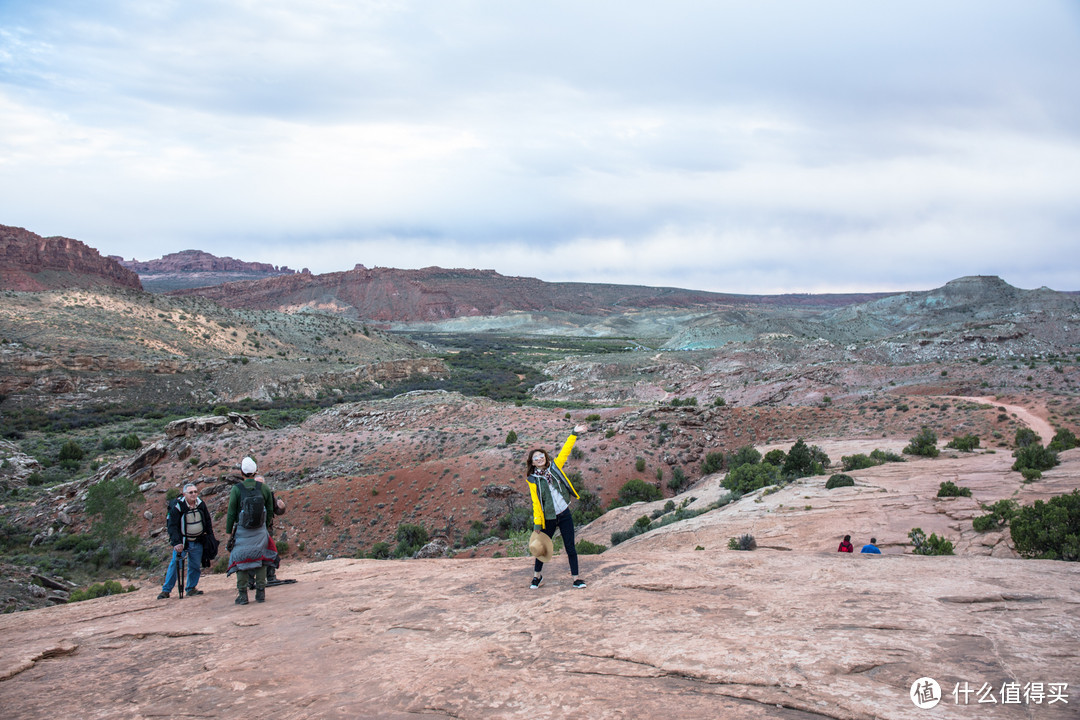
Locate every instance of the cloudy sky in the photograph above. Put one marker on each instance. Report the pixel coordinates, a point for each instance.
(765, 146)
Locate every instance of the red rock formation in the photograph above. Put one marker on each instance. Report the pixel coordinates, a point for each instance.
(29, 262)
(199, 261)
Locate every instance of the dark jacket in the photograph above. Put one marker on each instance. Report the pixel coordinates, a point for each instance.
(175, 520)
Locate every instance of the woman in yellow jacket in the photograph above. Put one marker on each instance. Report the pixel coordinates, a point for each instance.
(551, 494)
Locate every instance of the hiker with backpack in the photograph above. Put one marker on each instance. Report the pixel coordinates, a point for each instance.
(251, 507)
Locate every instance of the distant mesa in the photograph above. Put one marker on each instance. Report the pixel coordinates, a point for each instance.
(32, 263)
(196, 268)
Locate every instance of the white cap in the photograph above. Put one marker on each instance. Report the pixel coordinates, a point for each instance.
(247, 466)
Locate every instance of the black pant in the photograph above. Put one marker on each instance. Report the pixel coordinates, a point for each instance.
(564, 522)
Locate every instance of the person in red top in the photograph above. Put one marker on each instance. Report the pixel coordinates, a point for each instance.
(845, 545)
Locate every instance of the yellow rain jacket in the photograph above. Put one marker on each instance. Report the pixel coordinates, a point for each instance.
(541, 513)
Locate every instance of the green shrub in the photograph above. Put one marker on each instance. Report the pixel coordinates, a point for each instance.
(410, 538)
(109, 504)
(775, 457)
(1031, 474)
(593, 417)
(950, 489)
(221, 410)
(130, 442)
(746, 455)
(1064, 439)
(584, 547)
(109, 587)
(932, 545)
(380, 551)
(1026, 436)
(999, 513)
(588, 506)
(923, 444)
(858, 461)
(678, 480)
(713, 462)
(803, 460)
(518, 519)
(719, 402)
(477, 532)
(886, 456)
(743, 542)
(1034, 457)
(1049, 530)
(70, 450)
(35, 478)
(839, 480)
(639, 464)
(636, 490)
(749, 477)
(511, 437)
(964, 443)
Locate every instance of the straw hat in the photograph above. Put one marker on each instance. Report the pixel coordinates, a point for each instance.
(540, 546)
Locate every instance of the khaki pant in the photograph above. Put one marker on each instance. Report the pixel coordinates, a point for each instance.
(243, 575)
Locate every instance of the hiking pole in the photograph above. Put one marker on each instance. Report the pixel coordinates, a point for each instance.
(183, 576)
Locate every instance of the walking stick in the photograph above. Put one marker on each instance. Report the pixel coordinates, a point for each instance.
(182, 579)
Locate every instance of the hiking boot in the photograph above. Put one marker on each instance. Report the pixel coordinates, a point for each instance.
(579, 584)
(537, 579)
(193, 592)
(241, 597)
(162, 595)
(260, 595)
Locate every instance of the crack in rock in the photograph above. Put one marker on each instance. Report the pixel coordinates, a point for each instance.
(61, 649)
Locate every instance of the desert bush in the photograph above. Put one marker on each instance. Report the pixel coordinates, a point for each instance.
(1049, 530)
(886, 456)
(932, 545)
(477, 532)
(1026, 436)
(678, 480)
(511, 437)
(745, 455)
(719, 402)
(584, 547)
(839, 480)
(1031, 474)
(71, 451)
(410, 538)
(964, 443)
(749, 477)
(639, 464)
(1064, 439)
(803, 460)
(380, 551)
(998, 514)
(221, 410)
(518, 519)
(35, 478)
(775, 457)
(858, 461)
(1034, 457)
(109, 504)
(109, 587)
(588, 507)
(950, 489)
(713, 463)
(923, 444)
(745, 541)
(592, 417)
(636, 490)
(130, 442)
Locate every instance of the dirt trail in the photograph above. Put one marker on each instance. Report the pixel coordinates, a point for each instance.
(1025, 415)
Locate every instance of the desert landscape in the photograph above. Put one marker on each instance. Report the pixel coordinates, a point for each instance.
(395, 424)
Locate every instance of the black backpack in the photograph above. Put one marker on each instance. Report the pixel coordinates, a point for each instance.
(252, 507)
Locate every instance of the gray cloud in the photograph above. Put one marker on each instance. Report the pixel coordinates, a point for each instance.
(773, 146)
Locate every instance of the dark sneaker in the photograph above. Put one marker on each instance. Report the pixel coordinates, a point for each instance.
(260, 595)
(241, 597)
(537, 580)
(162, 595)
(579, 584)
(193, 592)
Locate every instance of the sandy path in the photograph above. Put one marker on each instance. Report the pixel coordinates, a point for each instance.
(1025, 415)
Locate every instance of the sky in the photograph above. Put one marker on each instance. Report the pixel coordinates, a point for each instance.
(749, 147)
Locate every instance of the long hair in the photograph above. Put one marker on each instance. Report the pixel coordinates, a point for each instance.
(529, 467)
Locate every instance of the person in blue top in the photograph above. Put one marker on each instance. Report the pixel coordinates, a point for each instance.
(871, 547)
